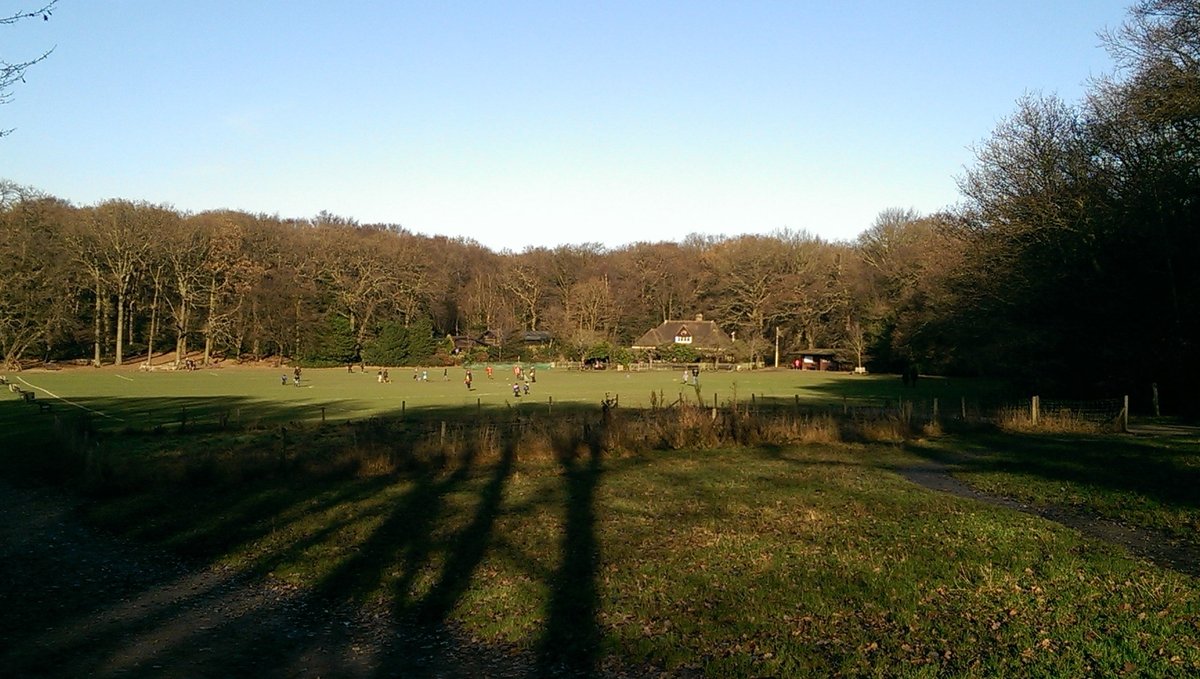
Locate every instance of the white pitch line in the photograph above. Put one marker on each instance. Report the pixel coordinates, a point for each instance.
(81, 407)
(127, 379)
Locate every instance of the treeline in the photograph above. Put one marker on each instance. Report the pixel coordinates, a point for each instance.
(121, 278)
(1070, 265)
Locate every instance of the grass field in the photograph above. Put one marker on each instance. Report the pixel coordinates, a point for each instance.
(815, 560)
(129, 398)
(809, 560)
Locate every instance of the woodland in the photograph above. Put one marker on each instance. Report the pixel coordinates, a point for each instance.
(1068, 266)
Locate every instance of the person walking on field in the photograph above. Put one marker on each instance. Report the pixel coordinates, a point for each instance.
(467, 380)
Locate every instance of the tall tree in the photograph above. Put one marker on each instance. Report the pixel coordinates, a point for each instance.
(123, 232)
(35, 299)
(187, 248)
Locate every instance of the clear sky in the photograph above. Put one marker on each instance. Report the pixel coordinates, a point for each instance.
(535, 123)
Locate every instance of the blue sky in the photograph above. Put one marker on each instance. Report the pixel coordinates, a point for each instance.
(520, 124)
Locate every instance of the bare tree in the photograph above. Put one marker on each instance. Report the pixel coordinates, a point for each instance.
(187, 249)
(525, 279)
(12, 73)
(123, 232)
(35, 299)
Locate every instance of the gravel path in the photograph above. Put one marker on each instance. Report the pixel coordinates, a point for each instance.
(1155, 546)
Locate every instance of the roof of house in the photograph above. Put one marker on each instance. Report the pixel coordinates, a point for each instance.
(704, 334)
(814, 352)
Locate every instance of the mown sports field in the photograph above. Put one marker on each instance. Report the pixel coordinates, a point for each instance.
(583, 558)
(132, 398)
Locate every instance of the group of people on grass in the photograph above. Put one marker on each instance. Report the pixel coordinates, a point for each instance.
(523, 378)
(283, 379)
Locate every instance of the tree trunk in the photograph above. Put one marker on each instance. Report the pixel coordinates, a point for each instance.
(153, 326)
(120, 327)
(296, 351)
(96, 325)
(208, 327)
(181, 333)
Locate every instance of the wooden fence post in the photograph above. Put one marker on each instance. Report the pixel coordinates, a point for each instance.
(1034, 408)
(1125, 415)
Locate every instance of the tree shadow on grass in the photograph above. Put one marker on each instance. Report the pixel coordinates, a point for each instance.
(570, 643)
(220, 622)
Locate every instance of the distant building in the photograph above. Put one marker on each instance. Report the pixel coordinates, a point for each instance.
(537, 338)
(816, 359)
(702, 336)
(465, 343)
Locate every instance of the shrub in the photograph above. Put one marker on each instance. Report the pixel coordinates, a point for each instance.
(398, 344)
(332, 344)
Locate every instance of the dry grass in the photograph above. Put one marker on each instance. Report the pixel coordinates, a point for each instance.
(378, 447)
(1020, 420)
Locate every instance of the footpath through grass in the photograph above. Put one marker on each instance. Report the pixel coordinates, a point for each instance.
(1142, 481)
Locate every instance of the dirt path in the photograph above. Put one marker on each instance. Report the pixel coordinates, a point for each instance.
(1163, 429)
(1155, 546)
(80, 603)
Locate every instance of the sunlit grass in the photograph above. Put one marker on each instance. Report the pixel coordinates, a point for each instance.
(129, 399)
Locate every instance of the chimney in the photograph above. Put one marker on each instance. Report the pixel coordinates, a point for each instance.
(699, 317)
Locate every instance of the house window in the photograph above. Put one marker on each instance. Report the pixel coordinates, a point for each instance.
(683, 336)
